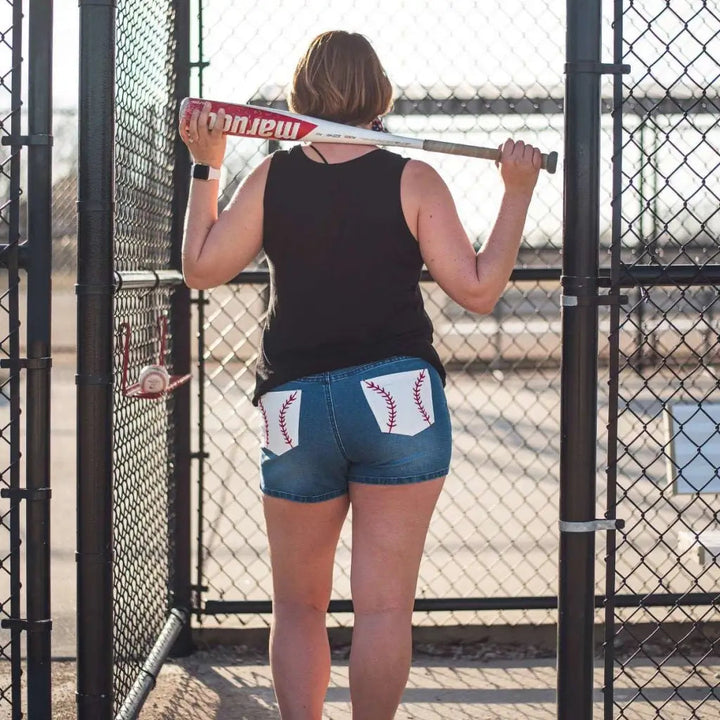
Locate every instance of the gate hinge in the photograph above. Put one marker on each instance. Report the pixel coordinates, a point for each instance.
(590, 526)
(28, 625)
(199, 455)
(26, 493)
(26, 363)
(596, 68)
(17, 140)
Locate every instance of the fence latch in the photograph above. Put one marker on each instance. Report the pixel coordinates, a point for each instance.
(590, 526)
(596, 68)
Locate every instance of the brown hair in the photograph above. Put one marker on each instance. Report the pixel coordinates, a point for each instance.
(340, 78)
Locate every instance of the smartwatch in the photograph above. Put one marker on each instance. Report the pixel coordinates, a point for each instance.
(205, 172)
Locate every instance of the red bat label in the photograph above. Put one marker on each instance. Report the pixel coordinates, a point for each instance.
(253, 122)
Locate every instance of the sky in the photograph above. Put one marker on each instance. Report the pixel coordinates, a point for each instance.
(254, 44)
(459, 43)
(66, 43)
(472, 43)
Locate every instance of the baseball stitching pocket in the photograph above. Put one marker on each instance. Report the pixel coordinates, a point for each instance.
(401, 402)
(280, 420)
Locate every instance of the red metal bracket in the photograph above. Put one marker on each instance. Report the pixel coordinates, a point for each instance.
(133, 390)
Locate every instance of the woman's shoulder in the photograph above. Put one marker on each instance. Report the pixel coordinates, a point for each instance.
(420, 176)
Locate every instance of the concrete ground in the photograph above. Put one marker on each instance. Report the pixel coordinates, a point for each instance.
(232, 684)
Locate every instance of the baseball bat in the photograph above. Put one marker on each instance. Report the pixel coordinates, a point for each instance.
(269, 124)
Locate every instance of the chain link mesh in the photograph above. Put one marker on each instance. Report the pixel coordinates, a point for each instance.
(143, 494)
(64, 196)
(667, 419)
(459, 76)
(143, 490)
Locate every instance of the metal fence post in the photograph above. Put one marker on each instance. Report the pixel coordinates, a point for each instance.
(578, 409)
(96, 174)
(38, 353)
(11, 258)
(181, 347)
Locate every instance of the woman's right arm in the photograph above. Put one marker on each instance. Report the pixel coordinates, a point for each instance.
(475, 280)
(217, 247)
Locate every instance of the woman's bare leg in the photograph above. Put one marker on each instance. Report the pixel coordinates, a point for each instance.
(303, 538)
(390, 523)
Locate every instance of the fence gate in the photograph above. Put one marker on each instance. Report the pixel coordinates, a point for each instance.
(663, 580)
(133, 451)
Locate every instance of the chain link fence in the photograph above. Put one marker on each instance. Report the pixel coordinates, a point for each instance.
(667, 251)
(473, 73)
(64, 188)
(64, 191)
(143, 429)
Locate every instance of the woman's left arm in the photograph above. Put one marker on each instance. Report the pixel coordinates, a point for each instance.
(217, 247)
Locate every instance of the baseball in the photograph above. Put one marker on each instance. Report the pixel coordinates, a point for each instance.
(154, 379)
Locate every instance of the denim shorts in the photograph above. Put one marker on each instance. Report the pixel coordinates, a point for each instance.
(383, 423)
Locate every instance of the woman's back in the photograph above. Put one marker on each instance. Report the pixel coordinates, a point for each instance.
(344, 267)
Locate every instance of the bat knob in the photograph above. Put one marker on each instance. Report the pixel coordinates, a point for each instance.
(550, 163)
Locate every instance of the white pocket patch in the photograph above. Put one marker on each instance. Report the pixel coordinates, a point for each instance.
(401, 402)
(280, 415)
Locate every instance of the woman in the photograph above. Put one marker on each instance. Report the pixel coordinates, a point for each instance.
(349, 386)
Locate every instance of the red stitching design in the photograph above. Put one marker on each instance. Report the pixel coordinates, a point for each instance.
(265, 422)
(418, 400)
(390, 403)
(283, 422)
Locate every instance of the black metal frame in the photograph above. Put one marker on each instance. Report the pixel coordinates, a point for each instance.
(614, 370)
(14, 343)
(95, 286)
(39, 359)
(578, 401)
(35, 257)
(13, 262)
(181, 593)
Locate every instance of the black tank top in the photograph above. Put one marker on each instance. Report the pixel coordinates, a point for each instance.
(344, 268)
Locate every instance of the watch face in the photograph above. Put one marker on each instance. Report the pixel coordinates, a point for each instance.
(205, 172)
